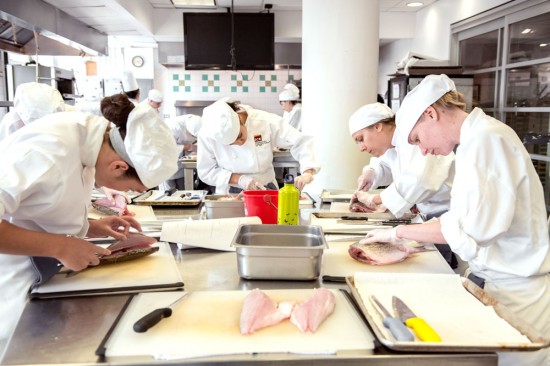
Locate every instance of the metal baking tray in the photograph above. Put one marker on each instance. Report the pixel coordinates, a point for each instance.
(218, 207)
(336, 195)
(179, 198)
(279, 252)
(537, 339)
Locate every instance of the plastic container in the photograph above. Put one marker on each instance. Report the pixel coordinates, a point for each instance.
(289, 203)
(279, 252)
(262, 204)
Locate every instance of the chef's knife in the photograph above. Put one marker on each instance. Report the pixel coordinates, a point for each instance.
(396, 326)
(167, 193)
(419, 325)
(155, 316)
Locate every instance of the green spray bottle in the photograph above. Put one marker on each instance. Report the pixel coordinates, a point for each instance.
(289, 203)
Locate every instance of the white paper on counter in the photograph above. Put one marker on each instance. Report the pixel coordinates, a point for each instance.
(212, 234)
(206, 323)
(441, 300)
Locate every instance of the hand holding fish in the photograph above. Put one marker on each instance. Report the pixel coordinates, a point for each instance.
(117, 227)
(368, 199)
(78, 254)
(384, 236)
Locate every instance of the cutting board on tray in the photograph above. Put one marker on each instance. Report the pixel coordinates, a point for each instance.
(337, 262)
(206, 323)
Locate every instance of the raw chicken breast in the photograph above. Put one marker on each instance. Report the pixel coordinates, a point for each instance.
(310, 314)
(260, 311)
(380, 253)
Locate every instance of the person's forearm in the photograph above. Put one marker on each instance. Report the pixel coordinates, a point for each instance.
(19, 241)
(428, 232)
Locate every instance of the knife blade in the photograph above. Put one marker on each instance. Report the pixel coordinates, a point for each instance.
(150, 320)
(396, 326)
(422, 329)
(167, 193)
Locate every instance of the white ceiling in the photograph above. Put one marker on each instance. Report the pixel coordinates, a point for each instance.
(114, 19)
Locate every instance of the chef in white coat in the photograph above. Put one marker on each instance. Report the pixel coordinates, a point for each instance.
(184, 129)
(47, 173)
(154, 99)
(130, 87)
(292, 108)
(412, 178)
(497, 220)
(235, 148)
(30, 102)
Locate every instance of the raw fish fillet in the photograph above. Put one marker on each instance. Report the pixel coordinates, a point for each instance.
(309, 315)
(360, 207)
(380, 253)
(260, 311)
(119, 208)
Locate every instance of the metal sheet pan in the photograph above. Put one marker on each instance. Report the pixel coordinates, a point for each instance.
(537, 339)
(179, 198)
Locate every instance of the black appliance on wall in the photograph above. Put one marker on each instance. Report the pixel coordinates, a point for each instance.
(208, 39)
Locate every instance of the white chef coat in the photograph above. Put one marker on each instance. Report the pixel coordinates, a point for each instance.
(497, 222)
(414, 179)
(10, 123)
(216, 162)
(294, 117)
(47, 174)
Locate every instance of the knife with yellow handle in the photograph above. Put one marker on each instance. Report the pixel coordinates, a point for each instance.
(422, 329)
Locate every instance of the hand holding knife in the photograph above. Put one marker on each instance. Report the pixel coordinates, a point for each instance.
(419, 325)
(155, 316)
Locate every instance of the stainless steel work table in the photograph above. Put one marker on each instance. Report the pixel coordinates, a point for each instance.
(68, 331)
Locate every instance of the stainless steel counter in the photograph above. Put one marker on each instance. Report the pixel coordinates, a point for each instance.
(62, 331)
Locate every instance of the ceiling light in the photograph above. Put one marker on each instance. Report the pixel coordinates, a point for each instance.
(543, 44)
(194, 3)
(415, 4)
(526, 30)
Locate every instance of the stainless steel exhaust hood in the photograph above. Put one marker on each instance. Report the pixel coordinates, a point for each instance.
(34, 27)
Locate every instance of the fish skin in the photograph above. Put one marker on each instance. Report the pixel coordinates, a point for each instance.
(380, 253)
(107, 207)
(309, 315)
(260, 311)
(359, 207)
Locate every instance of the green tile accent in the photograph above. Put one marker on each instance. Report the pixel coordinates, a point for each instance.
(175, 77)
(205, 89)
(274, 89)
(274, 77)
(262, 77)
(245, 89)
(216, 77)
(204, 77)
(175, 88)
(245, 77)
(233, 77)
(188, 89)
(262, 89)
(187, 76)
(216, 89)
(233, 89)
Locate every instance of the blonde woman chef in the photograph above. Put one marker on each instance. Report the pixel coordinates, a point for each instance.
(235, 148)
(47, 173)
(497, 219)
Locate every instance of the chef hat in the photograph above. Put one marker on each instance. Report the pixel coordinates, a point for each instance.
(193, 124)
(368, 115)
(35, 100)
(155, 95)
(148, 146)
(129, 82)
(290, 92)
(416, 101)
(222, 121)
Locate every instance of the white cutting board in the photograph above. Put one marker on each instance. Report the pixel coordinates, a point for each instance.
(338, 262)
(207, 324)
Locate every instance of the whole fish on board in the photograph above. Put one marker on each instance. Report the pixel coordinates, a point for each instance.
(382, 253)
(107, 207)
(135, 246)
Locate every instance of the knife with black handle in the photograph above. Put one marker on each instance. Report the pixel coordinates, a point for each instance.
(150, 320)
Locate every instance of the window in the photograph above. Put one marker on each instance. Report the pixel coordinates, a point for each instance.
(508, 53)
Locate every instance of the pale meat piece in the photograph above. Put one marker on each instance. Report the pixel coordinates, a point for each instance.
(260, 311)
(309, 315)
(118, 208)
(360, 207)
(380, 253)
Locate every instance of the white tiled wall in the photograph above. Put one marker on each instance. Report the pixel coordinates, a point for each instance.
(259, 89)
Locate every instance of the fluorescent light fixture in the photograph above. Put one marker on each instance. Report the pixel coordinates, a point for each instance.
(543, 44)
(194, 3)
(415, 3)
(526, 30)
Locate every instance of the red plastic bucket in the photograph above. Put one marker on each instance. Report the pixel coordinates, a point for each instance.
(262, 204)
